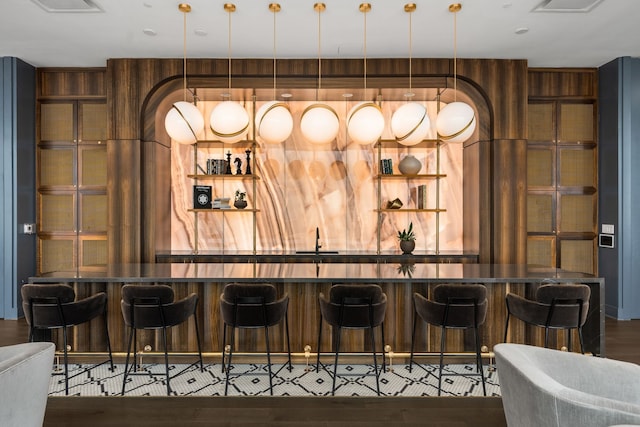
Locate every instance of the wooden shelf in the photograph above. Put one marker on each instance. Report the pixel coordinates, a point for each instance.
(413, 176)
(224, 176)
(411, 210)
(224, 210)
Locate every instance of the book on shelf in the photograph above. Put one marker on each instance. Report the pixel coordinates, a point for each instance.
(202, 197)
(386, 167)
(421, 196)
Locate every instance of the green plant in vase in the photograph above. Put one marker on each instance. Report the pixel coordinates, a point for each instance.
(407, 239)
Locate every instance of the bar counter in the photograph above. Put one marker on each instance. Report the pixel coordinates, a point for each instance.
(304, 281)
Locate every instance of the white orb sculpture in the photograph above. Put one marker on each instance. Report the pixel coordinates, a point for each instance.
(184, 123)
(365, 123)
(274, 122)
(319, 123)
(229, 121)
(410, 124)
(456, 122)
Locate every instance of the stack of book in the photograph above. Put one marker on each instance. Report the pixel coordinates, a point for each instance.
(421, 197)
(217, 167)
(221, 203)
(386, 167)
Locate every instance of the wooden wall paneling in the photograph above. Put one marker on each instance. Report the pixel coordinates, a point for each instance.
(71, 83)
(504, 84)
(510, 201)
(563, 82)
(123, 99)
(123, 188)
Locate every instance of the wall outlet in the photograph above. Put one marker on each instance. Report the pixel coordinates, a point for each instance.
(29, 228)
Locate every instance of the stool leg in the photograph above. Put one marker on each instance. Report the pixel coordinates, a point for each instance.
(106, 332)
(195, 321)
(479, 361)
(413, 339)
(335, 364)
(318, 348)
(286, 323)
(126, 363)
(443, 337)
(224, 344)
(66, 362)
(581, 339)
(375, 362)
(384, 363)
(266, 334)
(226, 385)
(166, 358)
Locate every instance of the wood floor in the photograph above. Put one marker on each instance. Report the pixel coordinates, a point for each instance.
(622, 343)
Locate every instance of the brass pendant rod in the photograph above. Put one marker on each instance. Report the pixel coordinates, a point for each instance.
(455, 8)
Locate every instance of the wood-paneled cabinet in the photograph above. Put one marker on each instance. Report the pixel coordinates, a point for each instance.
(71, 183)
(562, 184)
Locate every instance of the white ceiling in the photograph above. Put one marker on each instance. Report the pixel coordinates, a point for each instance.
(485, 29)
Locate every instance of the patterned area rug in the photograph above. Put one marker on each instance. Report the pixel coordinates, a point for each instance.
(253, 380)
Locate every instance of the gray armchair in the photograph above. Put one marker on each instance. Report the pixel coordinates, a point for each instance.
(543, 387)
(25, 371)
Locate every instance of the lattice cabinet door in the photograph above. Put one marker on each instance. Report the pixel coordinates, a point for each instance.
(562, 185)
(71, 179)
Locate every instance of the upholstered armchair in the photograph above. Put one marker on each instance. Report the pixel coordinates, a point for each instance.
(544, 387)
(25, 370)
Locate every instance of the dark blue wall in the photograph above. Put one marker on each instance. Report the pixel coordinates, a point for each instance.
(619, 184)
(18, 189)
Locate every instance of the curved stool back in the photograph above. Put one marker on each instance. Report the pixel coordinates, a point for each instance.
(54, 307)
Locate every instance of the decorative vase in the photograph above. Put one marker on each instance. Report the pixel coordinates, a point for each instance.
(240, 204)
(407, 246)
(409, 165)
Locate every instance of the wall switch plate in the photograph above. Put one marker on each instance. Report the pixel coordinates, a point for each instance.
(608, 229)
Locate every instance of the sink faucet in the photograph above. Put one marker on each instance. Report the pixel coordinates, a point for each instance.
(318, 245)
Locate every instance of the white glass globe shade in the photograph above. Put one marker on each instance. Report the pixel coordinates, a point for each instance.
(319, 123)
(184, 122)
(229, 121)
(410, 124)
(456, 122)
(274, 122)
(365, 123)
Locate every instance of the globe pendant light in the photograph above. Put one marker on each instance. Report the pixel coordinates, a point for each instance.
(410, 123)
(456, 121)
(319, 123)
(273, 120)
(184, 122)
(229, 120)
(365, 121)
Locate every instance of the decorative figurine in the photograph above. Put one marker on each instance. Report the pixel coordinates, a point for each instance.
(228, 168)
(238, 163)
(248, 171)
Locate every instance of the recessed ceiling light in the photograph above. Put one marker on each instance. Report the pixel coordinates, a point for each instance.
(347, 95)
(200, 32)
(286, 95)
(522, 30)
(147, 4)
(149, 32)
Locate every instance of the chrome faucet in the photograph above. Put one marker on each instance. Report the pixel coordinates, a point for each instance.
(318, 245)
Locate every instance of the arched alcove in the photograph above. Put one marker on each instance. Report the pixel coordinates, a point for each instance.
(157, 151)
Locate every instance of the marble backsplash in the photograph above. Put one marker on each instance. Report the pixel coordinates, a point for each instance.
(302, 186)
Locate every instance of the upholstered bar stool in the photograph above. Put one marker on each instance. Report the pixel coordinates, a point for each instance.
(252, 306)
(54, 307)
(153, 307)
(454, 306)
(353, 306)
(556, 306)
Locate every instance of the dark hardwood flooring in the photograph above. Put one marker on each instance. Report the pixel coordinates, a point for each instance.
(622, 343)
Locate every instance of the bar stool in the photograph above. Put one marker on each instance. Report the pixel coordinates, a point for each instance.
(54, 307)
(153, 307)
(556, 306)
(354, 306)
(454, 306)
(252, 306)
